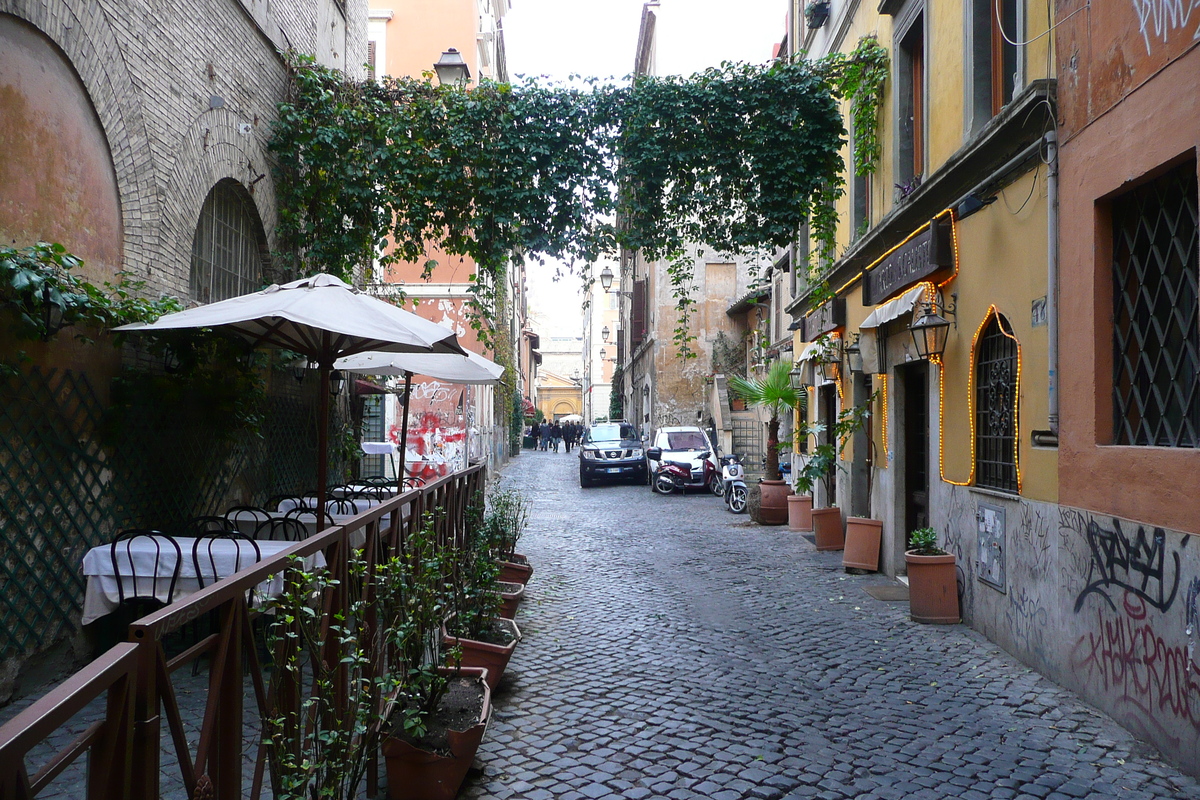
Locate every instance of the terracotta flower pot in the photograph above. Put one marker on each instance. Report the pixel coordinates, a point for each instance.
(932, 588)
(492, 657)
(773, 509)
(799, 512)
(415, 774)
(511, 595)
(516, 570)
(862, 543)
(827, 527)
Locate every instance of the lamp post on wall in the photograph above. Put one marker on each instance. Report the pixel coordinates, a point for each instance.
(929, 333)
(451, 69)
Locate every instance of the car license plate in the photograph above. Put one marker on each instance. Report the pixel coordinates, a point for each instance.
(614, 471)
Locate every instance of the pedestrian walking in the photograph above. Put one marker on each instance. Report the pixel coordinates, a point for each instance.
(544, 432)
(555, 435)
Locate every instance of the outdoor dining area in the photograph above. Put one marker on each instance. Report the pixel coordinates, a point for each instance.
(318, 550)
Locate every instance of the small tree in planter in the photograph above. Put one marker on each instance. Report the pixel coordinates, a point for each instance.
(773, 392)
(505, 522)
(822, 464)
(932, 580)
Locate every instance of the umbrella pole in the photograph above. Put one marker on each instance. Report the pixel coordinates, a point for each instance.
(404, 434)
(322, 443)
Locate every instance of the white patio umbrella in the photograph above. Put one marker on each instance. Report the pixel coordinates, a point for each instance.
(321, 317)
(471, 368)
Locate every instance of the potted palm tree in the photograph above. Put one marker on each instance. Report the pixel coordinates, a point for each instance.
(773, 392)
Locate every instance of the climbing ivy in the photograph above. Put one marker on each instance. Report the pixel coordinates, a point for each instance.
(737, 157)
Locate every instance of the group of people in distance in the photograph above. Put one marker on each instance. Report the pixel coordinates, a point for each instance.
(550, 435)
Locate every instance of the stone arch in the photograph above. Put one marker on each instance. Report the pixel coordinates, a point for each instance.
(219, 145)
(83, 32)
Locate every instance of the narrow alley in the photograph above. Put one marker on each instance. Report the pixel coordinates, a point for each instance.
(673, 650)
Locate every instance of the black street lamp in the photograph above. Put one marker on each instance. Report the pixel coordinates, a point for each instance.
(604, 333)
(336, 381)
(52, 312)
(451, 69)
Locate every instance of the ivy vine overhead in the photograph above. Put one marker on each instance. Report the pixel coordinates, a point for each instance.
(738, 157)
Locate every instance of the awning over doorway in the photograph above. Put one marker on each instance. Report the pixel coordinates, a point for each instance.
(893, 309)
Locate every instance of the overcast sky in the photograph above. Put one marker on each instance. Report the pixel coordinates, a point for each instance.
(558, 38)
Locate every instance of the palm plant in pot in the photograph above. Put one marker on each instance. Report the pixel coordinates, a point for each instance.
(774, 393)
(932, 580)
(821, 466)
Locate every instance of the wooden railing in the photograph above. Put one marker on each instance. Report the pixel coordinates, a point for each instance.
(136, 678)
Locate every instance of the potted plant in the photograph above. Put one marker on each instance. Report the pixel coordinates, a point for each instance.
(863, 534)
(932, 580)
(821, 466)
(475, 634)
(506, 520)
(436, 716)
(773, 392)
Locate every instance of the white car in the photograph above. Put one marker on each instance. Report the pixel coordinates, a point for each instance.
(687, 444)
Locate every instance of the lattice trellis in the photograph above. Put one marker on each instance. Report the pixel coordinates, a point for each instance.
(1156, 338)
(61, 493)
(55, 500)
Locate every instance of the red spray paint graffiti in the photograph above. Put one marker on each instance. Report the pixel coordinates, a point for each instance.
(1124, 658)
(437, 435)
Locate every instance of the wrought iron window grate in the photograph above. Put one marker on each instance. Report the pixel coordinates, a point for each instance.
(1156, 336)
(995, 410)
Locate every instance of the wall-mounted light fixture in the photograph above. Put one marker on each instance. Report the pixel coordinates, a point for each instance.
(336, 381)
(854, 358)
(929, 333)
(605, 333)
(52, 312)
(797, 377)
(829, 360)
(299, 367)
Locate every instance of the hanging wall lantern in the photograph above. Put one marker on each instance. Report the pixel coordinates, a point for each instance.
(929, 333)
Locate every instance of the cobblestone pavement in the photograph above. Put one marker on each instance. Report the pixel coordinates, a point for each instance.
(673, 650)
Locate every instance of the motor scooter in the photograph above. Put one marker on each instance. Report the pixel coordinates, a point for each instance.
(733, 478)
(670, 476)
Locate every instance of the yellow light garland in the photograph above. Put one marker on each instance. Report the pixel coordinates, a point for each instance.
(883, 429)
(971, 405)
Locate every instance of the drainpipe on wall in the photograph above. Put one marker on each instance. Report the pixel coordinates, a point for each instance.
(1051, 139)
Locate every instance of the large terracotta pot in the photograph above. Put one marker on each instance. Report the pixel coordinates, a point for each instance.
(827, 528)
(932, 588)
(516, 569)
(511, 595)
(862, 543)
(492, 657)
(799, 512)
(415, 774)
(773, 509)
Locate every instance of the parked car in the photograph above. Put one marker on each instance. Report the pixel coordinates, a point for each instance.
(686, 444)
(611, 451)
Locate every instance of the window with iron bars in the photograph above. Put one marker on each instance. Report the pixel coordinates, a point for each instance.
(995, 408)
(227, 250)
(1156, 336)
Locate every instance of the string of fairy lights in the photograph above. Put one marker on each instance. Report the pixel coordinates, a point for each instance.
(931, 293)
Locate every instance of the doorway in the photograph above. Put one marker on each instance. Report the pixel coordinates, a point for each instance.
(827, 411)
(915, 378)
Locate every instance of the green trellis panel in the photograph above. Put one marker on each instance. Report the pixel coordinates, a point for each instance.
(61, 493)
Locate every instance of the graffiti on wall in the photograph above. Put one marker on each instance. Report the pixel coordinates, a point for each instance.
(437, 434)
(1136, 563)
(1028, 622)
(1158, 19)
(1151, 679)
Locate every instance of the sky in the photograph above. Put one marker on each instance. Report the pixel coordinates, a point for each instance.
(558, 38)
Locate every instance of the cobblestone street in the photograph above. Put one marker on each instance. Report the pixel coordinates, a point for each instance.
(674, 650)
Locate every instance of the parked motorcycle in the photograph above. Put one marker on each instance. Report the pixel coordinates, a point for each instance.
(733, 479)
(677, 475)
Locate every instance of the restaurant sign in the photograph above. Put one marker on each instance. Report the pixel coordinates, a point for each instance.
(828, 317)
(928, 253)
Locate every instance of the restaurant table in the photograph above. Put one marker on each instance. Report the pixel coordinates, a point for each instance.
(103, 597)
(360, 503)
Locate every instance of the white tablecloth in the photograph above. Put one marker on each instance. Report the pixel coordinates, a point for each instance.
(102, 596)
(361, 504)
